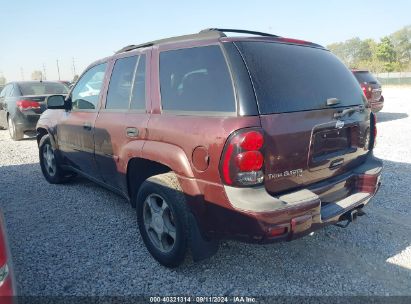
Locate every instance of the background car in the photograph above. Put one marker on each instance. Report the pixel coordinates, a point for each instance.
(21, 104)
(371, 88)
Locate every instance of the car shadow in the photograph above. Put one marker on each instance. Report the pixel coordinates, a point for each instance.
(78, 238)
(388, 116)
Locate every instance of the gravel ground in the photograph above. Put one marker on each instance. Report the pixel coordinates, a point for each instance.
(80, 239)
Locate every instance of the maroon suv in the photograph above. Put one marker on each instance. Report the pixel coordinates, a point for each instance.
(257, 138)
(371, 88)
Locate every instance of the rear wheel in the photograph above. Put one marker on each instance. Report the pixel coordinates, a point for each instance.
(163, 219)
(49, 164)
(15, 133)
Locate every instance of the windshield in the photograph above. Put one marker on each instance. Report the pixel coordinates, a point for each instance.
(42, 88)
(289, 78)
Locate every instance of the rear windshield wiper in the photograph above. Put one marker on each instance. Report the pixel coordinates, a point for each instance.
(341, 114)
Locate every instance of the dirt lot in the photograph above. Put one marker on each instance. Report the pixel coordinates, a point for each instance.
(80, 239)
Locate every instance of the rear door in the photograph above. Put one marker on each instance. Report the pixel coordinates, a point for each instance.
(301, 92)
(122, 120)
(75, 131)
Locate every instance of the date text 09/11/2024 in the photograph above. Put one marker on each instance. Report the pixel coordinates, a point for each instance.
(203, 299)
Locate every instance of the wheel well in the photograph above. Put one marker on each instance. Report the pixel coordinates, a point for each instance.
(40, 133)
(138, 170)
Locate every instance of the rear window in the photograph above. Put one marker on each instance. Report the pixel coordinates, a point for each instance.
(365, 77)
(197, 80)
(42, 88)
(290, 78)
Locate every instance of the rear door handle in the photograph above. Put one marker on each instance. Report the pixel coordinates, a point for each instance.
(87, 126)
(132, 132)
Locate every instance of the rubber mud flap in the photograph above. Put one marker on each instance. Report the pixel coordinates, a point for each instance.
(201, 249)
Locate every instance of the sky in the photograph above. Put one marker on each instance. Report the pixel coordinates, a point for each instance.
(36, 33)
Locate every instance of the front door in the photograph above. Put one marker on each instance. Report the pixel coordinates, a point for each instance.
(75, 132)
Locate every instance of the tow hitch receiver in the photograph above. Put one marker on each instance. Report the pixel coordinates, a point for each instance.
(349, 217)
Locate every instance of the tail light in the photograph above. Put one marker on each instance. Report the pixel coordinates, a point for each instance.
(25, 105)
(242, 160)
(373, 130)
(6, 281)
(366, 90)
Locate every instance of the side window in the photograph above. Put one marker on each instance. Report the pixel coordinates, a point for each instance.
(6, 90)
(196, 79)
(138, 96)
(119, 89)
(86, 93)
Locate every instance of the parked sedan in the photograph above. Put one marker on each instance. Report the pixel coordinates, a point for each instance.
(21, 104)
(371, 88)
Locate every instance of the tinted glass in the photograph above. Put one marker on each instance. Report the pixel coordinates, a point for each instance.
(138, 96)
(365, 77)
(6, 90)
(86, 93)
(196, 79)
(42, 88)
(290, 78)
(119, 89)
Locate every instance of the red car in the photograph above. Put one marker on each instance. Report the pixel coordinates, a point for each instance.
(371, 88)
(258, 138)
(6, 275)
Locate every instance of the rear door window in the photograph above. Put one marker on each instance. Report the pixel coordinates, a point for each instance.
(138, 96)
(196, 80)
(118, 96)
(290, 78)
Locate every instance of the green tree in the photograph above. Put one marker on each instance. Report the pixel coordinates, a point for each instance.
(401, 41)
(385, 52)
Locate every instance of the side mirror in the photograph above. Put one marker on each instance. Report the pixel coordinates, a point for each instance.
(56, 102)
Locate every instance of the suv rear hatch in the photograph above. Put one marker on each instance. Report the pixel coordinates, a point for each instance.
(301, 92)
(370, 85)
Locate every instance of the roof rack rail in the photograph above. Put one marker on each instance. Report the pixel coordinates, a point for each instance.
(133, 47)
(238, 31)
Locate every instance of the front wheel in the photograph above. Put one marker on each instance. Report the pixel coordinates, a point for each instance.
(163, 219)
(49, 164)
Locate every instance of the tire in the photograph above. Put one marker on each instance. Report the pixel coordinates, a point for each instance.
(158, 222)
(49, 164)
(15, 133)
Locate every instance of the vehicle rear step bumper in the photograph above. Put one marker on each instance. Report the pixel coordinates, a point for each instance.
(301, 212)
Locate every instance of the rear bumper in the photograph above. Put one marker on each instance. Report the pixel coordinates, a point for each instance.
(260, 217)
(377, 106)
(26, 122)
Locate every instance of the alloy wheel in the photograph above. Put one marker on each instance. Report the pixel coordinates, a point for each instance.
(159, 223)
(49, 159)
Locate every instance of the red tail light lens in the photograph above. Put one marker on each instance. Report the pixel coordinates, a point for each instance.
(252, 141)
(250, 161)
(366, 90)
(242, 160)
(25, 105)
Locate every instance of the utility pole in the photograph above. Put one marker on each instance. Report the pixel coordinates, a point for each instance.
(22, 73)
(58, 68)
(44, 72)
(74, 68)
